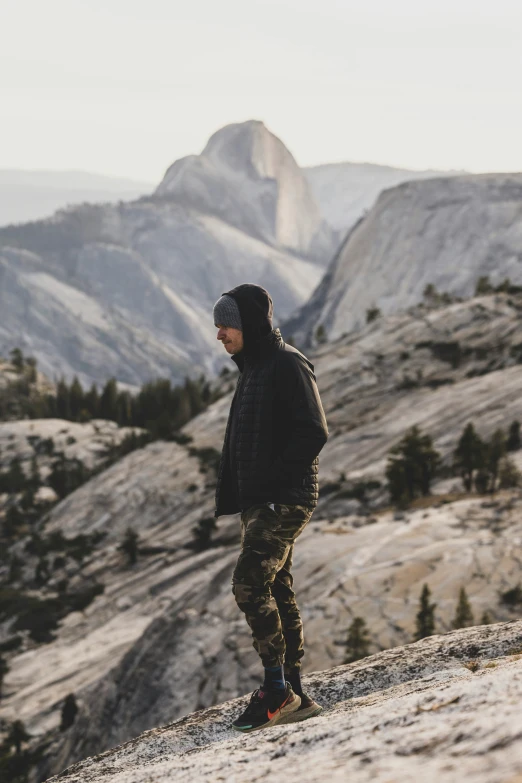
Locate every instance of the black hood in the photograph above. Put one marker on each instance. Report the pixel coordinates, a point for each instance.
(256, 308)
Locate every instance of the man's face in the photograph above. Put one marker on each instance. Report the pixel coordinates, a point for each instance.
(231, 338)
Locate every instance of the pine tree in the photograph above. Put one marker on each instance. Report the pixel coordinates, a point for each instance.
(486, 618)
(63, 408)
(124, 414)
(16, 476)
(17, 359)
(15, 568)
(372, 313)
(92, 402)
(4, 668)
(13, 520)
(69, 712)
(496, 449)
(358, 641)
(202, 533)
(463, 615)
(508, 474)
(35, 477)
(16, 736)
(483, 286)
(27, 499)
(412, 465)
(430, 291)
(66, 475)
(320, 335)
(109, 401)
(469, 455)
(425, 619)
(513, 441)
(42, 573)
(130, 545)
(30, 369)
(76, 399)
(194, 395)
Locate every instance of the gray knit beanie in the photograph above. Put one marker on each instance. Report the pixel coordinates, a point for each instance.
(226, 313)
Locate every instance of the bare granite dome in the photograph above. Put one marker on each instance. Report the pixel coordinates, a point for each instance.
(262, 189)
(442, 710)
(446, 231)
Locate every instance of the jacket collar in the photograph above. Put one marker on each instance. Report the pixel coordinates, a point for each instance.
(259, 350)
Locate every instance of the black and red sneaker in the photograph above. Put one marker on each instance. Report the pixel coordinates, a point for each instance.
(307, 709)
(266, 708)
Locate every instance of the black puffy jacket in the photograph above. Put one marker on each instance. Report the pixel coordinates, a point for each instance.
(276, 426)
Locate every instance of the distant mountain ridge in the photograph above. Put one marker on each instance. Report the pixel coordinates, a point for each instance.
(34, 195)
(344, 191)
(127, 289)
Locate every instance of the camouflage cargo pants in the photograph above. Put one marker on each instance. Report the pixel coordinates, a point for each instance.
(262, 581)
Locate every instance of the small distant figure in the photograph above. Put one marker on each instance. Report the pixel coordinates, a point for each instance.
(268, 472)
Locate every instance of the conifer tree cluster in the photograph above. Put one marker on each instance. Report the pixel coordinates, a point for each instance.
(484, 286)
(484, 464)
(158, 407)
(412, 465)
(15, 760)
(463, 618)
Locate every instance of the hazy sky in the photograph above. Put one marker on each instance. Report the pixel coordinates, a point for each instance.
(124, 87)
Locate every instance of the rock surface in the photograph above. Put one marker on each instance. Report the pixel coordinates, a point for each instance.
(444, 709)
(246, 176)
(166, 638)
(447, 232)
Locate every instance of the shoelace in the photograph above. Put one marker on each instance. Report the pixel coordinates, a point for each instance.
(255, 701)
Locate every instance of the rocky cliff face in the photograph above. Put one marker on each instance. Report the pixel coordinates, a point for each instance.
(127, 290)
(443, 709)
(165, 638)
(447, 232)
(246, 176)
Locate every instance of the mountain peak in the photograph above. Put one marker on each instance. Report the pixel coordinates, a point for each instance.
(248, 178)
(248, 148)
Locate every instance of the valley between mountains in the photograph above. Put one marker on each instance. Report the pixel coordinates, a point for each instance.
(165, 637)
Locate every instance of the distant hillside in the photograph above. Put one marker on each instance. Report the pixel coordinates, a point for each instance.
(33, 195)
(448, 232)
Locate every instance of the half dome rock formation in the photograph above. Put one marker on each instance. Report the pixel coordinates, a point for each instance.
(447, 232)
(442, 710)
(246, 176)
(127, 289)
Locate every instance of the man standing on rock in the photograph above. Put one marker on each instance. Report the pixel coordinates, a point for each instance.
(268, 472)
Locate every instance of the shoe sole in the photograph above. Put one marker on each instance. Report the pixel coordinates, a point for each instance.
(310, 712)
(278, 718)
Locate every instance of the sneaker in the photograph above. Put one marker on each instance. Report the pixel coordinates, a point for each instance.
(266, 708)
(307, 709)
